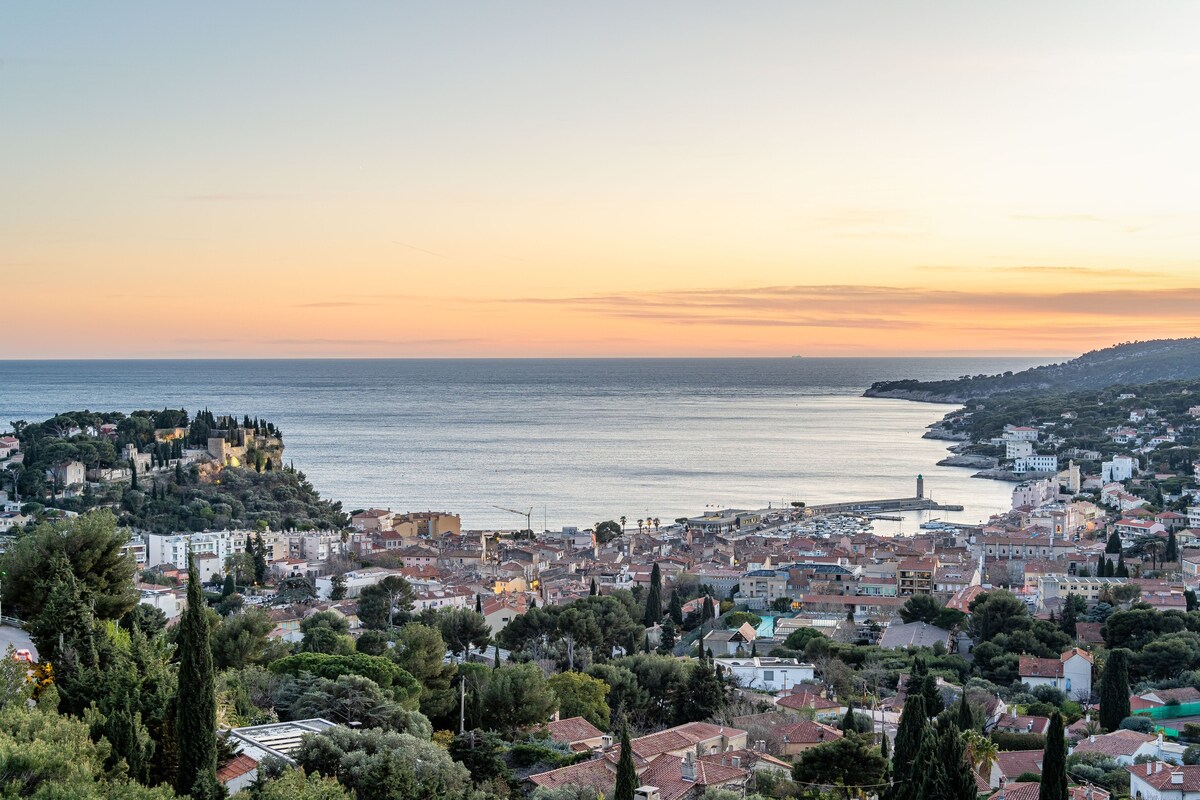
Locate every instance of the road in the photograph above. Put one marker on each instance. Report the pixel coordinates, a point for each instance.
(17, 638)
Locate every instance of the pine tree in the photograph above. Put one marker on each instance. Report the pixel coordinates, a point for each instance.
(1054, 762)
(1114, 544)
(1114, 690)
(676, 610)
(654, 611)
(626, 781)
(196, 700)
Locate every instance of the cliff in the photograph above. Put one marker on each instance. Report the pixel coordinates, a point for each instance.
(1124, 364)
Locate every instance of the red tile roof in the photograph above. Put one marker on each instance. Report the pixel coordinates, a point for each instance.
(1018, 762)
(573, 729)
(807, 733)
(236, 767)
(1160, 776)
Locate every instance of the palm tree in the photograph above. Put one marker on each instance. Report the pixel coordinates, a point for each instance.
(622, 523)
(655, 521)
(640, 523)
(982, 752)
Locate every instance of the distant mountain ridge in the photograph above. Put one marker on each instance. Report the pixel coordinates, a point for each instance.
(1128, 363)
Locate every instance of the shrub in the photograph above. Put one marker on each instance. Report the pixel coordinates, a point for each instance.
(1019, 741)
(1139, 724)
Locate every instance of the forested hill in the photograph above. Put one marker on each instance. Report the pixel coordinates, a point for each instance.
(1132, 363)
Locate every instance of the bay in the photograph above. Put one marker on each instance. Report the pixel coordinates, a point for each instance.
(575, 440)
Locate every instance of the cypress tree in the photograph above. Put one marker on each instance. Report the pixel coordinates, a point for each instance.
(924, 778)
(179, 473)
(654, 611)
(914, 722)
(1122, 570)
(1069, 617)
(496, 660)
(133, 484)
(196, 700)
(848, 719)
(260, 558)
(593, 589)
(955, 775)
(1172, 553)
(1054, 762)
(626, 781)
(1114, 690)
(1114, 544)
(966, 720)
(921, 681)
(478, 603)
(708, 612)
(229, 587)
(676, 611)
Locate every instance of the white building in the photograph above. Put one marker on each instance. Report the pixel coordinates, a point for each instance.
(1036, 464)
(1121, 468)
(173, 548)
(1157, 780)
(355, 581)
(1020, 433)
(1070, 673)
(767, 674)
(1035, 494)
(1193, 515)
(1017, 448)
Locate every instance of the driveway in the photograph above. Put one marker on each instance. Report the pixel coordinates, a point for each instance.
(17, 639)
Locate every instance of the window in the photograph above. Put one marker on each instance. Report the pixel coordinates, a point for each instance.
(768, 675)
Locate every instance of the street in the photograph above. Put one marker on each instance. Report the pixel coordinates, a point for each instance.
(17, 639)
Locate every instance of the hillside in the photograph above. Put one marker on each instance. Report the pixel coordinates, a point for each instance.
(165, 471)
(1131, 364)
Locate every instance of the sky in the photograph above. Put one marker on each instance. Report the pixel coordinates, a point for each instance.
(597, 179)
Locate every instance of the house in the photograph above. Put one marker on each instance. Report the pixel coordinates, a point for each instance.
(1020, 723)
(1161, 697)
(1032, 791)
(577, 733)
(1011, 764)
(670, 764)
(730, 642)
(913, 634)
(256, 743)
(1156, 780)
(767, 674)
(800, 736)
(822, 707)
(1126, 746)
(1070, 673)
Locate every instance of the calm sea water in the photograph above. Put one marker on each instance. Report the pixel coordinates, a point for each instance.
(576, 440)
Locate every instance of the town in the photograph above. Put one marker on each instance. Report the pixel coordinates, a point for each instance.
(780, 652)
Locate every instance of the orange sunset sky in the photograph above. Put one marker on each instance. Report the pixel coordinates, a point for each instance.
(569, 179)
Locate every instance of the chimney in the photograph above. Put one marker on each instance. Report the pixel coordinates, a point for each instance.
(1092, 739)
(1149, 768)
(687, 769)
(760, 745)
(606, 742)
(1158, 766)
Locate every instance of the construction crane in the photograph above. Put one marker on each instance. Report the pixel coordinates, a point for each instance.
(528, 515)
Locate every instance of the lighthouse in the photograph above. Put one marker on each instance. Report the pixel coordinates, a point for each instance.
(920, 486)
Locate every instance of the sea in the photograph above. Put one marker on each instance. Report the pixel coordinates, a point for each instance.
(568, 441)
